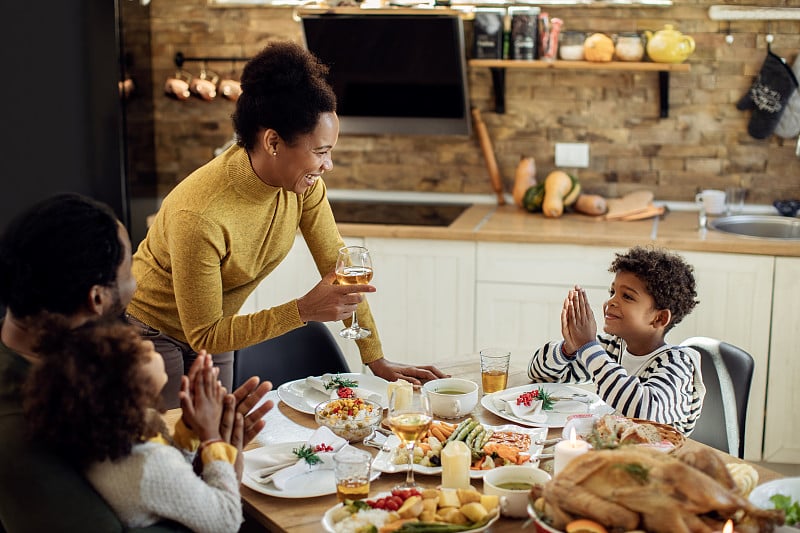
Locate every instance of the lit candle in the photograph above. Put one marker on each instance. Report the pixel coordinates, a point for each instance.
(728, 527)
(567, 450)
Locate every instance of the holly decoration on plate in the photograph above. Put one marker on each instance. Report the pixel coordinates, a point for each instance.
(527, 398)
(344, 387)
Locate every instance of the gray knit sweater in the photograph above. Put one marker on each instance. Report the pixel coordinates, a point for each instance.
(156, 482)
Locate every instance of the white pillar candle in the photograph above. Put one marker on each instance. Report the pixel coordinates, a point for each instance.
(456, 459)
(567, 450)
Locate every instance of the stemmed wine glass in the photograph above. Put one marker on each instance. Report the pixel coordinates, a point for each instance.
(354, 267)
(409, 417)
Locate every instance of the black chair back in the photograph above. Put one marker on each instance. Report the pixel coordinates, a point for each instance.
(306, 351)
(727, 374)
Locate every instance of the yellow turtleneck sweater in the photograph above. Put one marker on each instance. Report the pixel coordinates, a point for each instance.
(218, 233)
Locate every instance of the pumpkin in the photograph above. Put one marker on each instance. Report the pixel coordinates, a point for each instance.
(524, 179)
(598, 47)
(560, 189)
(534, 197)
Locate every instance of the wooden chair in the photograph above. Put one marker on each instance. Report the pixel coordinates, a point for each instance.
(310, 350)
(727, 374)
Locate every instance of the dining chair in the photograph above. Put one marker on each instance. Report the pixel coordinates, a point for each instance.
(727, 374)
(310, 350)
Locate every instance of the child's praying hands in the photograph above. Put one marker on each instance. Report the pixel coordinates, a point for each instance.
(577, 321)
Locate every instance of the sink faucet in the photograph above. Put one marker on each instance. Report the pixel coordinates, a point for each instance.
(702, 219)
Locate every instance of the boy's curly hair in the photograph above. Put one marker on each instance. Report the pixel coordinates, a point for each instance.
(87, 397)
(667, 276)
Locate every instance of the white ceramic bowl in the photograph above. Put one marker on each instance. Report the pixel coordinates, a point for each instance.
(452, 397)
(513, 502)
(789, 486)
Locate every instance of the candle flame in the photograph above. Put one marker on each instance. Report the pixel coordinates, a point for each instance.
(728, 528)
(573, 438)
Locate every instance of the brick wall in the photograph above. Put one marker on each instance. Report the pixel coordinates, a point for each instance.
(703, 142)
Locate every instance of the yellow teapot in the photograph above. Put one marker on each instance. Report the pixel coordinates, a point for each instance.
(669, 45)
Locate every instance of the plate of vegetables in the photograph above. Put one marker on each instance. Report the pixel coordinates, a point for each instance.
(491, 446)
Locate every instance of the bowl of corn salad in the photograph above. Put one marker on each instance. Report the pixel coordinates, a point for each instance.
(350, 418)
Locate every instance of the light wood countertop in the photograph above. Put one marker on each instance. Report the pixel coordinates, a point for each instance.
(677, 230)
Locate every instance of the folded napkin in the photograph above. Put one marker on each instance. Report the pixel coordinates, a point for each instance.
(530, 412)
(318, 383)
(286, 465)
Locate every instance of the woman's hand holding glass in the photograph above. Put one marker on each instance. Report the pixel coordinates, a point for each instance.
(354, 267)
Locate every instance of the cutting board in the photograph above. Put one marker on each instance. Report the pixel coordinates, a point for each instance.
(631, 204)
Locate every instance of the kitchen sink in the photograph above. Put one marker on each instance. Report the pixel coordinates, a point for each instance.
(759, 226)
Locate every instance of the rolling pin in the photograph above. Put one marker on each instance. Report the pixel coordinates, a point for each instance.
(488, 155)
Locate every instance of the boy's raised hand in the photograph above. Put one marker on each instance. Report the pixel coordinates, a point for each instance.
(578, 325)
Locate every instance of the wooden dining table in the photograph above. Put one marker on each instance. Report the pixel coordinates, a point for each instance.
(304, 515)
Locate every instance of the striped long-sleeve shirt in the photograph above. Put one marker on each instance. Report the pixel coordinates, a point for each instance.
(667, 387)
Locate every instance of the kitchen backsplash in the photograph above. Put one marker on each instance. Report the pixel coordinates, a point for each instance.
(702, 143)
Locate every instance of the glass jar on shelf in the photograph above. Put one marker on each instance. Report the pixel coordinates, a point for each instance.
(629, 47)
(570, 45)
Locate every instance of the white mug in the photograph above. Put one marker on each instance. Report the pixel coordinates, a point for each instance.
(712, 200)
(452, 397)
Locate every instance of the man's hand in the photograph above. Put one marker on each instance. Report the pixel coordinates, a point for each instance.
(416, 375)
(245, 398)
(328, 302)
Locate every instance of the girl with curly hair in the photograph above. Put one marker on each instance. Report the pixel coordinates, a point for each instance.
(92, 398)
(634, 369)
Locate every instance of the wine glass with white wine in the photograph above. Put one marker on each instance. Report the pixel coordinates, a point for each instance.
(354, 267)
(410, 418)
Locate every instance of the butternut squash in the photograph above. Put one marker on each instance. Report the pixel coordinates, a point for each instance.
(560, 189)
(591, 204)
(524, 178)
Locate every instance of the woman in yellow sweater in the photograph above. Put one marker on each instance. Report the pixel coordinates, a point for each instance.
(229, 224)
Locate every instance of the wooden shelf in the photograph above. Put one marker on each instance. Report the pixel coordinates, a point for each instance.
(580, 65)
(499, 66)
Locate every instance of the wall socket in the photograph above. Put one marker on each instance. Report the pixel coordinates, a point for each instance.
(574, 155)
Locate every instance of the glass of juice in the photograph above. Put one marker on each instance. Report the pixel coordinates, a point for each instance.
(494, 369)
(351, 469)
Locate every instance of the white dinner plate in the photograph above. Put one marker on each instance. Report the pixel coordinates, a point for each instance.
(556, 418)
(300, 396)
(327, 518)
(310, 485)
(383, 461)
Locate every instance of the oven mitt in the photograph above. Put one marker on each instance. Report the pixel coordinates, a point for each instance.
(768, 96)
(789, 126)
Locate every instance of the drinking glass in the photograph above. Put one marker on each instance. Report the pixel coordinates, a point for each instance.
(409, 417)
(354, 267)
(494, 369)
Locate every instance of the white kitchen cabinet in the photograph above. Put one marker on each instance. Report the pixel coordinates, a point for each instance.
(782, 425)
(295, 276)
(424, 304)
(521, 289)
(425, 299)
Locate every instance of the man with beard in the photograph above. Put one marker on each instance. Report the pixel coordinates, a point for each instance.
(66, 255)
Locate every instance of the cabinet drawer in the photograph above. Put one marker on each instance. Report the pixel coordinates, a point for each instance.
(548, 264)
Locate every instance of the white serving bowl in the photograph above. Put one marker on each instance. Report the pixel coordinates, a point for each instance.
(788, 486)
(513, 502)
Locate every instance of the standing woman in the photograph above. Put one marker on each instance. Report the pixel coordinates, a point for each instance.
(229, 224)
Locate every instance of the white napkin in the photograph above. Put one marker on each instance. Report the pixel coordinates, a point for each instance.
(318, 383)
(532, 412)
(296, 467)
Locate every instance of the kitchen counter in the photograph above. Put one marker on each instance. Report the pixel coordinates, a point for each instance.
(491, 223)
